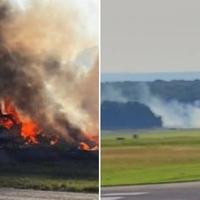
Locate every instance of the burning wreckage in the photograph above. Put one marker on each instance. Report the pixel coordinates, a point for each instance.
(16, 131)
(22, 136)
(34, 115)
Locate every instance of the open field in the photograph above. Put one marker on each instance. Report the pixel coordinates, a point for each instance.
(73, 175)
(155, 156)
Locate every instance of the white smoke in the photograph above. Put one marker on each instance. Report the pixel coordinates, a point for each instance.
(111, 93)
(174, 114)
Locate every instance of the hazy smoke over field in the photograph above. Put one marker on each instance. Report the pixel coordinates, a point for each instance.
(49, 63)
(174, 114)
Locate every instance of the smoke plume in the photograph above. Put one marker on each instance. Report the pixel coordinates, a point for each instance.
(174, 114)
(49, 64)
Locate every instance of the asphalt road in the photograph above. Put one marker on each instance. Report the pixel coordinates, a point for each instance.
(175, 191)
(17, 194)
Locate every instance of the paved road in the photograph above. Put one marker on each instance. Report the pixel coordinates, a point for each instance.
(16, 194)
(176, 191)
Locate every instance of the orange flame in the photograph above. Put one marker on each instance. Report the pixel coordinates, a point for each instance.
(29, 128)
(94, 143)
(83, 146)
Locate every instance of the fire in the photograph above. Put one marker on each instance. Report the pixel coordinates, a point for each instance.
(93, 146)
(28, 127)
(29, 130)
(83, 146)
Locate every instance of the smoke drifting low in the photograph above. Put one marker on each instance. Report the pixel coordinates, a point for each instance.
(49, 64)
(174, 114)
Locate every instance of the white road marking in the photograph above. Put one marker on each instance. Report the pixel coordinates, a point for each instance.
(126, 194)
(118, 196)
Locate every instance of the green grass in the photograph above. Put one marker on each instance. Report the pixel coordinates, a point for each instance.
(74, 175)
(154, 157)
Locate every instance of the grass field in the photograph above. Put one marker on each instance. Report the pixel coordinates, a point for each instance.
(156, 156)
(76, 175)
